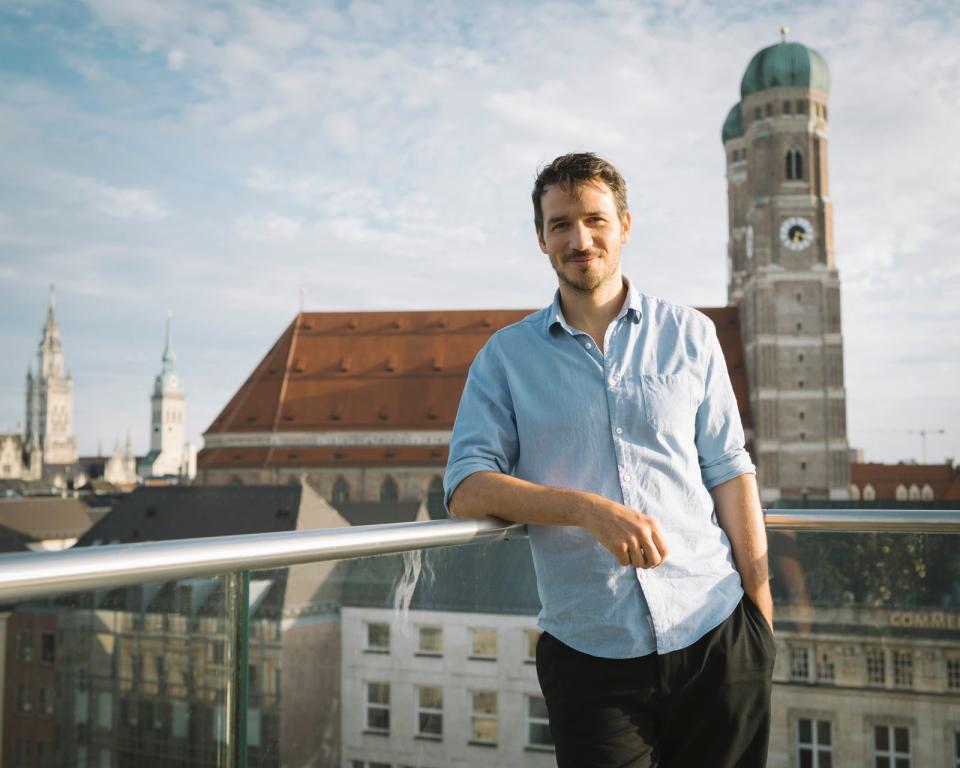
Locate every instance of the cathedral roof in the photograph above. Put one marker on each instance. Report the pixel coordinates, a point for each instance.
(785, 64)
(733, 125)
(379, 372)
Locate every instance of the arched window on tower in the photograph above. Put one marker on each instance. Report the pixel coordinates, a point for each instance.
(926, 493)
(854, 493)
(901, 492)
(388, 489)
(869, 493)
(435, 499)
(341, 491)
(914, 492)
(794, 164)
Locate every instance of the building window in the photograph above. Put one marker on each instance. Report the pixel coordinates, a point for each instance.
(217, 651)
(891, 746)
(826, 668)
(903, 669)
(430, 641)
(378, 637)
(25, 645)
(483, 721)
(814, 744)
(794, 164)
(378, 707)
(538, 725)
(854, 493)
(341, 491)
(824, 111)
(435, 508)
(161, 671)
(787, 107)
(926, 493)
(388, 489)
(876, 667)
(799, 662)
(46, 701)
(430, 711)
(483, 643)
(23, 699)
(802, 107)
(914, 493)
(953, 674)
(956, 749)
(901, 492)
(757, 113)
(533, 637)
(768, 110)
(869, 493)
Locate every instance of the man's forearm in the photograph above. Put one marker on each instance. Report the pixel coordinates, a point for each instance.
(740, 515)
(519, 501)
(632, 537)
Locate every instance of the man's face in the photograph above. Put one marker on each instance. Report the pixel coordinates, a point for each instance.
(582, 234)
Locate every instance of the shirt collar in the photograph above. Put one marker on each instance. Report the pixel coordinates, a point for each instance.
(630, 308)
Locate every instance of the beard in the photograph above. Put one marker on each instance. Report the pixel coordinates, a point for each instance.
(584, 280)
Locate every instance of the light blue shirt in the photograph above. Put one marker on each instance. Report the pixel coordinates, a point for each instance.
(651, 423)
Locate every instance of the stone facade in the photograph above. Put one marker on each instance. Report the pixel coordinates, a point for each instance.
(50, 399)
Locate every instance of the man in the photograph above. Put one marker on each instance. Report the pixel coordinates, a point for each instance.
(606, 422)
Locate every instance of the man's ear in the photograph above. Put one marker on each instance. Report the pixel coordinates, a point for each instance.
(540, 241)
(625, 224)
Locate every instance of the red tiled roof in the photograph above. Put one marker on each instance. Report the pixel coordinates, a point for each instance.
(380, 371)
(885, 478)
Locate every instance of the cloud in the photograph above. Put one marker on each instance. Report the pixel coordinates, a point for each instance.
(272, 227)
(119, 202)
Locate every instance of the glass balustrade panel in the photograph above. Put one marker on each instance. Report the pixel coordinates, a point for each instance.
(136, 675)
(427, 659)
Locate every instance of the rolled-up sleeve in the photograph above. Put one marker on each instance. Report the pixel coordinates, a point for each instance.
(719, 436)
(485, 431)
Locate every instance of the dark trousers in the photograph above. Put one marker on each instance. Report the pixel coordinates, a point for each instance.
(704, 706)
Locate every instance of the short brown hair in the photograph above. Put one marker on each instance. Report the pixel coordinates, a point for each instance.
(572, 171)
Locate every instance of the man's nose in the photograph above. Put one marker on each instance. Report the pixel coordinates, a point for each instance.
(580, 237)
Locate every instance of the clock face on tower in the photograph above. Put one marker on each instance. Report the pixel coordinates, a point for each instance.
(796, 233)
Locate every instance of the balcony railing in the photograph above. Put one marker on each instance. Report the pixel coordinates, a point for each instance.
(239, 632)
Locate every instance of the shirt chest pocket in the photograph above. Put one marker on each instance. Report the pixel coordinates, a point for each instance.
(669, 402)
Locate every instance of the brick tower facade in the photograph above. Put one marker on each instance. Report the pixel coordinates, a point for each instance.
(783, 274)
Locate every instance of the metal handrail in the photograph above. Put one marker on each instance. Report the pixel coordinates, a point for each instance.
(29, 575)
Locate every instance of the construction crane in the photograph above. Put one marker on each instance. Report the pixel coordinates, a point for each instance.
(923, 440)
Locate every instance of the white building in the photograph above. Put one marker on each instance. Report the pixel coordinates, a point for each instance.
(441, 688)
(169, 455)
(49, 427)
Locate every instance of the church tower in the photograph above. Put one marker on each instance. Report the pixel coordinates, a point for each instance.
(49, 423)
(167, 421)
(783, 274)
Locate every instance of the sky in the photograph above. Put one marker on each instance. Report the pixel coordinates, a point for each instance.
(215, 159)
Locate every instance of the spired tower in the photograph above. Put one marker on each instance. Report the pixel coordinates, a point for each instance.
(167, 421)
(49, 424)
(783, 274)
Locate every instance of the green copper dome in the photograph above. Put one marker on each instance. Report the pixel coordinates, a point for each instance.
(785, 64)
(733, 125)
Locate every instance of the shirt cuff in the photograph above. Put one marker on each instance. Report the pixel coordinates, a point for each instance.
(459, 472)
(727, 467)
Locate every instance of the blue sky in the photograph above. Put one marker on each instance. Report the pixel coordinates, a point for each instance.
(214, 158)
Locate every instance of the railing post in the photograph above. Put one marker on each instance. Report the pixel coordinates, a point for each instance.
(237, 604)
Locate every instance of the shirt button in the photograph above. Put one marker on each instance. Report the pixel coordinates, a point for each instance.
(619, 430)
(627, 478)
(588, 345)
